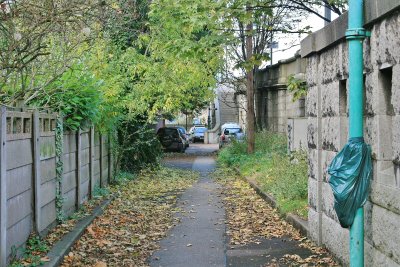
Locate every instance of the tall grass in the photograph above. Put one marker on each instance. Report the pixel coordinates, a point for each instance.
(277, 173)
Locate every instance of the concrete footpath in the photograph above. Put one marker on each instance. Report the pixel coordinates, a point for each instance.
(199, 239)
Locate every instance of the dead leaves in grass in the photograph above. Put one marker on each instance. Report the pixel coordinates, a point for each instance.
(250, 218)
(127, 232)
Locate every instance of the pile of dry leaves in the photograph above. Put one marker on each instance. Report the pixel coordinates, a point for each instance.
(250, 218)
(128, 231)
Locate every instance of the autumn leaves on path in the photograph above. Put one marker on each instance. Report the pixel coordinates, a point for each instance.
(199, 239)
(140, 215)
(175, 217)
(257, 235)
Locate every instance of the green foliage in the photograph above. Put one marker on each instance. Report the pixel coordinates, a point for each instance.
(76, 96)
(283, 176)
(137, 146)
(31, 253)
(297, 86)
(100, 192)
(124, 177)
(126, 20)
(59, 136)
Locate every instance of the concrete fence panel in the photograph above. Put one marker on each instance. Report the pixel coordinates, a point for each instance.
(28, 176)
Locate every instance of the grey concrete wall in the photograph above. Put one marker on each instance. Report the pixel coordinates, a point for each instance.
(228, 106)
(327, 112)
(28, 174)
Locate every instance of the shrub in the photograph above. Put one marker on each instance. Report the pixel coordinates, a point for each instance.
(76, 96)
(281, 175)
(137, 146)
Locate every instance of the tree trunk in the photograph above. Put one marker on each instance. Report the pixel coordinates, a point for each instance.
(250, 91)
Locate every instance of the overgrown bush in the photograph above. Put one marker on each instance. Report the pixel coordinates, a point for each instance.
(76, 96)
(137, 146)
(281, 175)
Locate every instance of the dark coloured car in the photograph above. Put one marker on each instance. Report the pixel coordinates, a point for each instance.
(184, 134)
(171, 139)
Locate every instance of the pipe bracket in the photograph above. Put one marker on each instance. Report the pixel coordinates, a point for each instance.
(356, 33)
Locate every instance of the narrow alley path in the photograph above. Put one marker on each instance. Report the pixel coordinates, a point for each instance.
(199, 238)
(174, 217)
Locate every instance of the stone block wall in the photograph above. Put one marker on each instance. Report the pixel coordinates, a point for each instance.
(327, 133)
(274, 103)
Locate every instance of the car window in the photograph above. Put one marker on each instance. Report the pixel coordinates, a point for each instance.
(200, 130)
(232, 130)
(168, 132)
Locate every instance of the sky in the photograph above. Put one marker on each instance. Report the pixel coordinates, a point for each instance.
(315, 22)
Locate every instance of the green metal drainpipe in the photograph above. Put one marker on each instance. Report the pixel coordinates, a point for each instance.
(355, 36)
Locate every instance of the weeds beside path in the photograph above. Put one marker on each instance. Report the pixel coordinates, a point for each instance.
(281, 175)
(140, 215)
(251, 220)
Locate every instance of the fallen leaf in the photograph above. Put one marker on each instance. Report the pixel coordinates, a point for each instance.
(100, 264)
(45, 259)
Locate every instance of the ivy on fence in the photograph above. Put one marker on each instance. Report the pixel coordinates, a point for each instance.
(59, 131)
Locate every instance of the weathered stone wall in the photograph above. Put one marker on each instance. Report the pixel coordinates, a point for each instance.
(327, 112)
(275, 109)
(274, 103)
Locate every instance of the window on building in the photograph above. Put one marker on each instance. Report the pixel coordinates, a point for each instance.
(343, 97)
(386, 136)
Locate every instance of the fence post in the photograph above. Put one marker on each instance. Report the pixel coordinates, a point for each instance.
(110, 173)
(101, 161)
(91, 161)
(36, 169)
(3, 190)
(78, 169)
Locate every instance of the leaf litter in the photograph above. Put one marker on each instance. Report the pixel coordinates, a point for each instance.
(250, 218)
(130, 227)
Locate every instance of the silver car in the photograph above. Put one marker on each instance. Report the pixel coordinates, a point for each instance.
(197, 133)
(230, 131)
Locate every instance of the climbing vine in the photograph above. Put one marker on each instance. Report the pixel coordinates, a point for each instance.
(59, 168)
(297, 86)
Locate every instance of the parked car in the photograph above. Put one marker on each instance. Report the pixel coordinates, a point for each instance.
(197, 133)
(171, 139)
(230, 131)
(184, 134)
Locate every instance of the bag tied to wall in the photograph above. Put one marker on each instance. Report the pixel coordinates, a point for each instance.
(351, 172)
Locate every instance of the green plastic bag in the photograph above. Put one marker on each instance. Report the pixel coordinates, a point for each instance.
(351, 172)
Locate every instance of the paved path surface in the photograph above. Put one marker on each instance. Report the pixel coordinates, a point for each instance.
(199, 239)
(201, 149)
